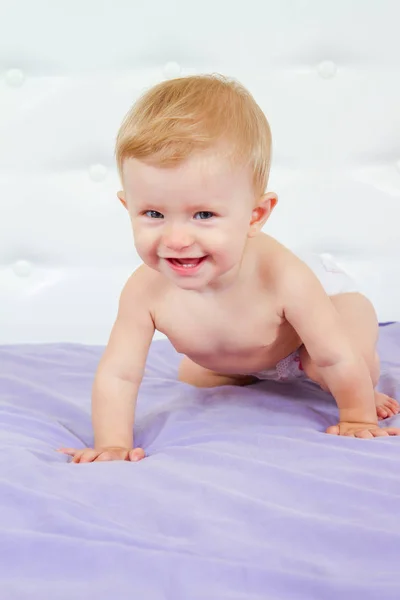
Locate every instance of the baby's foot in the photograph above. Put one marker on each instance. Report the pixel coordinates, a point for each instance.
(385, 406)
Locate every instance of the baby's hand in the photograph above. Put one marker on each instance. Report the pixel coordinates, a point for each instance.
(86, 455)
(362, 430)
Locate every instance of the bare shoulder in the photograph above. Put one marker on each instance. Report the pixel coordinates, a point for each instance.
(279, 264)
(143, 280)
(142, 289)
(292, 281)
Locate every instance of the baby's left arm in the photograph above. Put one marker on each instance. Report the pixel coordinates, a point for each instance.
(343, 370)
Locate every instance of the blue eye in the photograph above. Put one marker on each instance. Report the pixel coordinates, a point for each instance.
(203, 215)
(154, 214)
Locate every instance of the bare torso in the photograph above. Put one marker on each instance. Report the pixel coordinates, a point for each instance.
(237, 332)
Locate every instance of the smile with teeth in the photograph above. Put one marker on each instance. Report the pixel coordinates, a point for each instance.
(186, 262)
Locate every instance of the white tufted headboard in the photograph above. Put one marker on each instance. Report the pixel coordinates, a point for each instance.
(327, 75)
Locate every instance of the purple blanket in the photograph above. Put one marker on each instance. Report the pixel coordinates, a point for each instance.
(242, 496)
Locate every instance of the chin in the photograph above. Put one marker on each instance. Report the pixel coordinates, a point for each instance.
(189, 285)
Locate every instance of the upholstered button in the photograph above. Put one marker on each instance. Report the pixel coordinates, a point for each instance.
(171, 70)
(15, 77)
(22, 268)
(327, 69)
(98, 172)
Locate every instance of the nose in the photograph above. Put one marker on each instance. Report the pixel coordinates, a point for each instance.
(177, 238)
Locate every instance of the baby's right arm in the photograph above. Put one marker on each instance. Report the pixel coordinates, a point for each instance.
(118, 377)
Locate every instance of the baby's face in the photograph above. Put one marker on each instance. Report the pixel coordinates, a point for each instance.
(190, 222)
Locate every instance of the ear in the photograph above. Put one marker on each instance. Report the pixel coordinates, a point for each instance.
(261, 212)
(121, 198)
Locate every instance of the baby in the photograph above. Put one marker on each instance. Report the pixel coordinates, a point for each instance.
(194, 157)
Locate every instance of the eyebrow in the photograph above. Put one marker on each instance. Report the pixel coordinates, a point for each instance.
(197, 206)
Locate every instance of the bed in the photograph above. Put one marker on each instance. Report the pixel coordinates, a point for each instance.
(242, 496)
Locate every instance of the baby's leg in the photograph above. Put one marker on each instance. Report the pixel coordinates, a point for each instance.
(360, 322)
(190, 372)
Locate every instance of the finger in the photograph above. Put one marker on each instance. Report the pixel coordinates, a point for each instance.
(89, 456)
(364, 434)
(136, 454)
(380, 433)
(392, 430)
(69, 451)
(333, 430)
(77, 456)
(108, 456)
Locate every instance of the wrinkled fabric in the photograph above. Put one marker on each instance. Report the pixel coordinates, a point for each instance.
(242, 496)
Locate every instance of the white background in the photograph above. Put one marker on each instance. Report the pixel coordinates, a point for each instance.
(327, 75)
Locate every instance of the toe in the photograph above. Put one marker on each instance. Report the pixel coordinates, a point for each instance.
(381, 412)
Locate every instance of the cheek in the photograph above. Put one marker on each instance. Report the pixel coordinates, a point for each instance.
(231, 235)
(144, 238)
(227, 248)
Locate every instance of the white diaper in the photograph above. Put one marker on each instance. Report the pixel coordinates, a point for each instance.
(333, 278)
(289, 367)
(334, 281)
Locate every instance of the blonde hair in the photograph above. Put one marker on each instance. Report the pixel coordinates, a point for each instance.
(176, 118)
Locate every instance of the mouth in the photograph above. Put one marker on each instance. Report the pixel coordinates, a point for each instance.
(187, 265)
